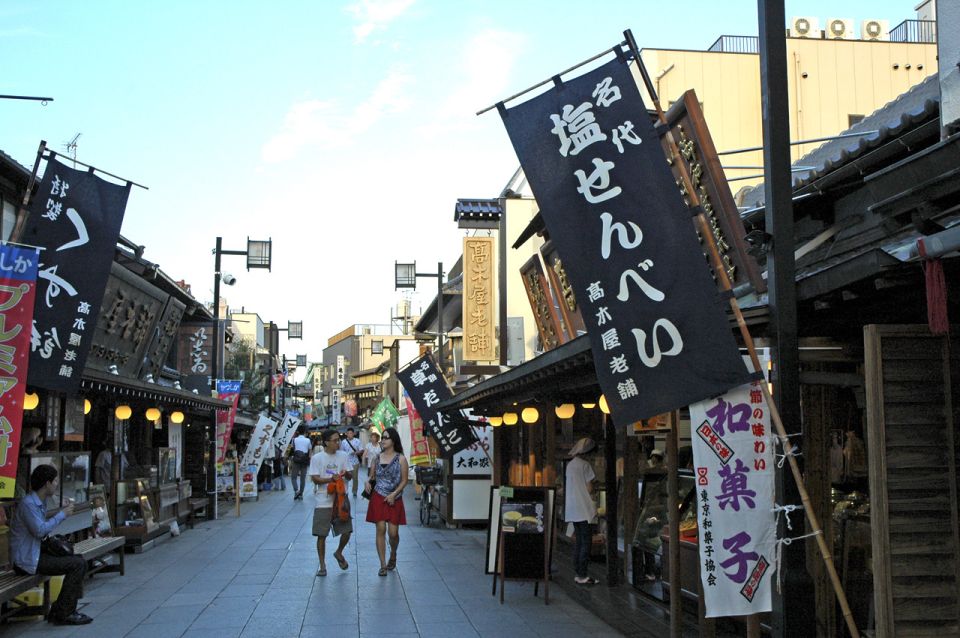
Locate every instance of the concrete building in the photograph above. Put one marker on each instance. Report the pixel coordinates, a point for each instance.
(840, 70)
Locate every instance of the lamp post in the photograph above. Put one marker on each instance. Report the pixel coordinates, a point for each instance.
(286, 366)
(405, 276)
(258, 254)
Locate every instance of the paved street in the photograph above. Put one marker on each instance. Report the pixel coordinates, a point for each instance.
(255, 576)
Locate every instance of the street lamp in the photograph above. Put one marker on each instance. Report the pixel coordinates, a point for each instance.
(405, 276)
(258, 254)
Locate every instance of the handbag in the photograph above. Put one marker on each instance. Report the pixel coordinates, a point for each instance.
(56, 545)
(300, 457)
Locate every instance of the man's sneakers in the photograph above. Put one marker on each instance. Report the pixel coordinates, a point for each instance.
(76, 618)
(587, 580)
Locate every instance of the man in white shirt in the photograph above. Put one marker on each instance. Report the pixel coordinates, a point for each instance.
(579, 506)
(370, 453)
(327, 466)
(354, 450)
(299, 462)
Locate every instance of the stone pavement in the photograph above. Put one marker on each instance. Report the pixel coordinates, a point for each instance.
(255, 576)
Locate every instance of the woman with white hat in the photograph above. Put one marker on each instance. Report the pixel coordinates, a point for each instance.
(579, 507)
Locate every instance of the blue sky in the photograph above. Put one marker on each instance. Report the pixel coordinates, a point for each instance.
(343, 130)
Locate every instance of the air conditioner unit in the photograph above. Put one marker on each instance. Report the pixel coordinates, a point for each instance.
(839, 29)
(804, 27)
(875, 30)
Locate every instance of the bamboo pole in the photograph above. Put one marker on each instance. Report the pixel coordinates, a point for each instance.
(673, 522)
(726, 287)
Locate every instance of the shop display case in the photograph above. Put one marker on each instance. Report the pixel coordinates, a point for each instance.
(648, 541)
(74, 474)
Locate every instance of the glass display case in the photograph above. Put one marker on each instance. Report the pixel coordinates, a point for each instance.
(74, 474)
(167, 465)
(652, 525)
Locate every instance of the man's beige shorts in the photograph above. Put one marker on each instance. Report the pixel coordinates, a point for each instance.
(322, 523)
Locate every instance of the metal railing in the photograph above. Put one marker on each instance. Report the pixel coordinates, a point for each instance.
(736, 44)
(915, 31)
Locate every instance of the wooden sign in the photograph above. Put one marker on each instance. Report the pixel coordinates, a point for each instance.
(685, 120)
(572, 319)
(541, 301)
(479, 338)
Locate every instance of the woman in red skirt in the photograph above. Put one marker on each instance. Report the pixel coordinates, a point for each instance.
(386, 499)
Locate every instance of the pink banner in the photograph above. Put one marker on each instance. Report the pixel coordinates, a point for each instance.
(420, 454)
(18, 281)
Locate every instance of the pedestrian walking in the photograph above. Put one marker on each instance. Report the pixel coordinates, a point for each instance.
(278, 464)
(579, 506)
(330, 470)
(354, 450)
(28, 528)
(370, 453)
(299, 462)
(386, 500)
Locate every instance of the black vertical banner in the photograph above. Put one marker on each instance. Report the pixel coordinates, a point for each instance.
(75, 219)
(427, 388)
(657, 328)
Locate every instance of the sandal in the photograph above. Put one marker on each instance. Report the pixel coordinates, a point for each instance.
(392, 563)
(589, 580)
(322, 571)
(382, 572)
(341, 561)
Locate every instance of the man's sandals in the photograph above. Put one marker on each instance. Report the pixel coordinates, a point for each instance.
(341, 561)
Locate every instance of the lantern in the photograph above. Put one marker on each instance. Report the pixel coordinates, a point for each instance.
(509, 418)
(603, 404)
(495, 421)
(588, 406)
(565, 411)
(87, 406)
(123, 412)
(530, 415)
(153, 414)
(31, 401)
(176, 417)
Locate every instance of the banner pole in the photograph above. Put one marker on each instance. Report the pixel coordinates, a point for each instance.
(725, 286)
(22, 214)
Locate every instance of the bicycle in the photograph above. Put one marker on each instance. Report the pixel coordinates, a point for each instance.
(428, 477)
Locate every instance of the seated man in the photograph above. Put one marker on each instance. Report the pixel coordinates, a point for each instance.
(27, 528)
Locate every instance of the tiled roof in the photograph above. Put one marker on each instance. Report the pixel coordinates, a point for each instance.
(907, 110)
(477, 208)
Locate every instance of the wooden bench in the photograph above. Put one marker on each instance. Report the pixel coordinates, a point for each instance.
(12, 585)
(93, 548)
(196, 505)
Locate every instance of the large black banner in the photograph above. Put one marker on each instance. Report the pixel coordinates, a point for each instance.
(427, 387)
(75, 219)
(657, 328)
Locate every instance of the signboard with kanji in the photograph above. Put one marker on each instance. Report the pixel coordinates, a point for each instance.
(427, 388)
(479, 284)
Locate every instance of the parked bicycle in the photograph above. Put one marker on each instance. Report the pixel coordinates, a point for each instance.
(428, 477)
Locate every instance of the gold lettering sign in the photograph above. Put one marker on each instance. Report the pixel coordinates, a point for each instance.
(572, 321)
(685, 120)
(479, 339)
(541, 302)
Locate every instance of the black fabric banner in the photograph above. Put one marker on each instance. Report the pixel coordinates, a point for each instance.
(427, 387)
(75, 219)
(657, 328)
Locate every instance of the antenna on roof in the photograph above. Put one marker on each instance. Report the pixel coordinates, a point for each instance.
(71, 147)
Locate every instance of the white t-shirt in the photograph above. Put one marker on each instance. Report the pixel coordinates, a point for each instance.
(372, 452)
(327, 465)
(350, 448)
(578, 503)
(301, 444)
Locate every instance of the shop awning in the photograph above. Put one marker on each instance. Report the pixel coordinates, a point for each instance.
(562, 375)
(124, 387)
(363, 390)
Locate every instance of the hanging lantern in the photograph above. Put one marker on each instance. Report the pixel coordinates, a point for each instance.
(588, 406)
(530, 415)
(509, 418)
(176, 417)
(495, 421)
(565, 411)
(153, 414)
(603, 404)
(123, 412)
(87, 406)
(31, 401)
